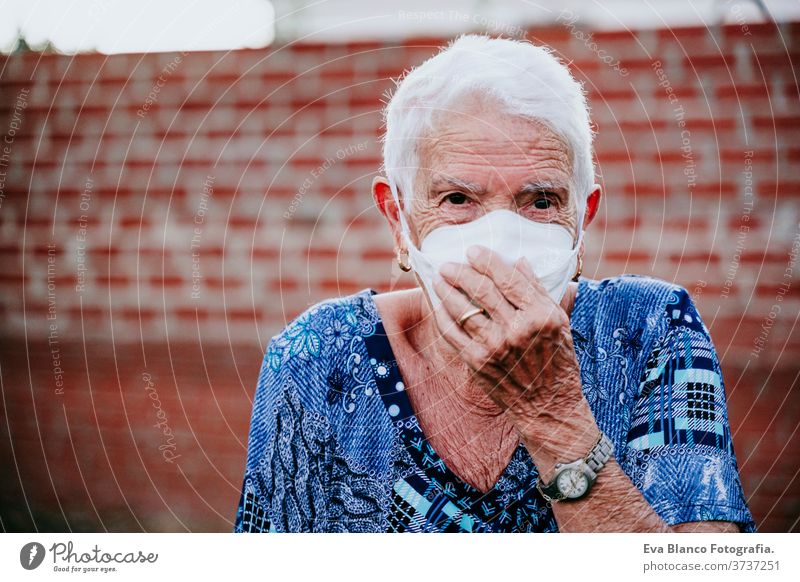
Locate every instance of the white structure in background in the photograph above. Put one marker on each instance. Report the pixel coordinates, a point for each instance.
(136, 26)
(119, 26)
(393, 20)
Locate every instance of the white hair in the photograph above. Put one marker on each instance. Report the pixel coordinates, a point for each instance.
(528, 80)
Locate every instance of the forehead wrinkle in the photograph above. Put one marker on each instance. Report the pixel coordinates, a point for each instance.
(452, 145)
(537, 150)
(535, 186)
(438, 180)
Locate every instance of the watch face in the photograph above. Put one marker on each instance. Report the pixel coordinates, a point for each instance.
(572, 483)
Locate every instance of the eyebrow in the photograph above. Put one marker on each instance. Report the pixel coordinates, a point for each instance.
(544, 186)
(438, 182)
(535, 186)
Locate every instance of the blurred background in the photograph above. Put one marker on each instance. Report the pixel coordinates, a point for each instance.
(177, 183)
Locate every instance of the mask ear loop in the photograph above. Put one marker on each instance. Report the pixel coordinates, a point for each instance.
(415, 255)
(578, 242)
(403, 224)
(577, 248)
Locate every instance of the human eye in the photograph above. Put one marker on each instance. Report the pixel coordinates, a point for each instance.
(455, 198)
(542, 202)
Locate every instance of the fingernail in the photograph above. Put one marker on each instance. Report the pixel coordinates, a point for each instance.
(527, 264)
(473, 253)
(448, 269)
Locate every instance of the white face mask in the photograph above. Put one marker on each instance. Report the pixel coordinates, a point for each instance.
(547, 247)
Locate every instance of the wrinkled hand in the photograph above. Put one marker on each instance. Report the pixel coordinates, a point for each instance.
(521, 351)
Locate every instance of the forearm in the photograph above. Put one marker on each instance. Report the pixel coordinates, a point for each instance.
(564, 433)
(614, 504)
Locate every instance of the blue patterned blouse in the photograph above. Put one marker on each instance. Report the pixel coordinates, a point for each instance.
(335, 446)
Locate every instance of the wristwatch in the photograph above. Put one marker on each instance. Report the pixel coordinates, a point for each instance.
(574, 480)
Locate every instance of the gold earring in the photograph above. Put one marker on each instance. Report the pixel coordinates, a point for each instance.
(579, 270)
(404, 266)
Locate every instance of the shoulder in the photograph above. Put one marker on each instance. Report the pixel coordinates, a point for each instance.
(629, 298)
(640, 310)
(669, 304)
(323, 331)
(307, 357)
(630, 288)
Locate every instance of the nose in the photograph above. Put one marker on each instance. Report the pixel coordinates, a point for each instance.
(499, 203)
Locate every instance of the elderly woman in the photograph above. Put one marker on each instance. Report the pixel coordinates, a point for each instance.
(507, 393)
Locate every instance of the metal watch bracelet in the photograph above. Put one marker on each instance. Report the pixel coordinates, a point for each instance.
(594, 460)
(600, 453)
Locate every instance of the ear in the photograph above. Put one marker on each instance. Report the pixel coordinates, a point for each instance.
(592, 205)
(382, 194)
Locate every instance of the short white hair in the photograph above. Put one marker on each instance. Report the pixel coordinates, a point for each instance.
(528, 80)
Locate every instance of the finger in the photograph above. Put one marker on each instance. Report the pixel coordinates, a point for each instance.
(517, 284)
(524, 267)
(471, 350)
(451, 331)
(479, 289)
(543, 296)
(456, 304)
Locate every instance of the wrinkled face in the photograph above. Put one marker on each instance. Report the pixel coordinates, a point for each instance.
(478, 159)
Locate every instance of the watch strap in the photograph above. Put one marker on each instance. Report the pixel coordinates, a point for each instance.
(600, 453)
(594, 460)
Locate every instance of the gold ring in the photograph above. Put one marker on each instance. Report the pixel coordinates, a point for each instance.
(463, 319)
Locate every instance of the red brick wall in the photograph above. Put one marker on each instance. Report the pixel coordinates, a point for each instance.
(162, 216)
